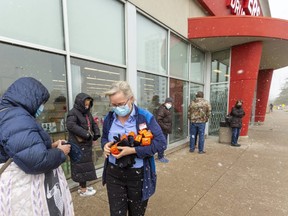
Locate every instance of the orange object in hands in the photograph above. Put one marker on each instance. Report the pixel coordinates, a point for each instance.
(132, 134)
(124, 136)
(148, 134)
(114, 150)
(141, 132)
(146, 141)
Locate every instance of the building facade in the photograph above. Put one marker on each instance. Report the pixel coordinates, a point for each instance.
(162, 48)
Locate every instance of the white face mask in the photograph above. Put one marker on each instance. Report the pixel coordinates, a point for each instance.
(168, 105)
(39, 110)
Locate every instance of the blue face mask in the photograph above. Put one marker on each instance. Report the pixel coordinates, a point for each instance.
(122, 110)
(39, 110)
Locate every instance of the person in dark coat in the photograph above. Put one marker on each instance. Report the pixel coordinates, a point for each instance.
(237, 114)
(83, 131)
(164, 119)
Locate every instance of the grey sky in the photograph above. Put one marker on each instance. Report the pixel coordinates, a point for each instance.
(278, 10)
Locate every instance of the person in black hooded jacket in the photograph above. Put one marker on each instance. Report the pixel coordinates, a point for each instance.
(83, 131)
(237, 114)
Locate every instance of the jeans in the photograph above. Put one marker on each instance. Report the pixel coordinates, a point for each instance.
(235, 135)
(161, 154)
(197, 128)
(124, 188)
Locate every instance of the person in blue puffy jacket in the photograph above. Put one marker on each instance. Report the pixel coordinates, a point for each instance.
(21, 136)
(34, 183)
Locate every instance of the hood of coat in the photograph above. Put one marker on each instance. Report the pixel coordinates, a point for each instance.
(79, 102)
(27, 93)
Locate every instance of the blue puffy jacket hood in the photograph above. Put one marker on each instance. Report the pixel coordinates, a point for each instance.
(27, 93)
(21, 136)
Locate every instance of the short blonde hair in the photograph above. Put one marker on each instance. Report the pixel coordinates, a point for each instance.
(120, 86)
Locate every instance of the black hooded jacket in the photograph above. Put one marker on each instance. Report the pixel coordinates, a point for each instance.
(77, 126)
(237, 114)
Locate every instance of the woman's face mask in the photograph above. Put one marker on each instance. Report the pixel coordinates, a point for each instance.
(122, 110)
(39, 110)
(168, 105)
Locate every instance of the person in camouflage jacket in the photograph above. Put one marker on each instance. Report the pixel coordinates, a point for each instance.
(199, 112)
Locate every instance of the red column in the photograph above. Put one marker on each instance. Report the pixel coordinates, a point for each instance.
(263, 88)
(245, 60)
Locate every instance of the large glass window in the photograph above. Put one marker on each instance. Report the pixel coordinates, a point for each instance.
(219, 89)
(97, 29)
(94, 79)
(179, 93)
(178, 57)
(48, 68)
(38, 22)
(152, 91)
(194, 88)
(151, 46)
(220, 66)
(197, 65)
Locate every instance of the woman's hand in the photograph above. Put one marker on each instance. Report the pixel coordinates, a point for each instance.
(64, 147)
(107, 149)
(55, 144)
(124, 150)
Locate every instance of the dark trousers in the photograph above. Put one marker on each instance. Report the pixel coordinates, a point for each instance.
(124, 188)
(161, 153)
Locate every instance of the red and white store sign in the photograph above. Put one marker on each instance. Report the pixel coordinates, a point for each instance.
(244, 7)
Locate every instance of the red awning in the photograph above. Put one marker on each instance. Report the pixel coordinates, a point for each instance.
(219, 33)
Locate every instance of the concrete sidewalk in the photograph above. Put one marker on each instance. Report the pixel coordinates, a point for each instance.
(226, 181)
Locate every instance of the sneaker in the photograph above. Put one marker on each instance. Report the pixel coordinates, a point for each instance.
(236, 145)
(163, 160)
(201, 152)
(88, 188)
(88, 193)
(191, 150)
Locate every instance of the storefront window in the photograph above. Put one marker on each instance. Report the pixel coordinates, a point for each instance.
(37, 22)
(94, 79)
(178, 57)
(151, 46)
(97, 29)
(179, 93)
(219, 89)
(16, 62)
(152, 91)
(194, 88)
(197, 65)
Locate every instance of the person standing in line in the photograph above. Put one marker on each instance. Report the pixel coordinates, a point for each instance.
(129, 186)
(199, 112)
(83, 131)
(237, 114)
(33, 182)
(271, 107)
(164, 119)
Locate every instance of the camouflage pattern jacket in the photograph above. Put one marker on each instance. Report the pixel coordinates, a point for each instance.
(199, 110)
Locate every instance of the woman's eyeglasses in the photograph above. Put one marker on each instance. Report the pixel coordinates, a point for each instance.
(113, 106)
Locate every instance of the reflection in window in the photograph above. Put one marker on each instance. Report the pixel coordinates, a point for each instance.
(94, 79)
(49, 69)
(219, 89)
(152, 91)
(178, 57)
(194, 88)
(96, 32)
(197, 65)
(220, 66)
(151, 46)
(24, 22)
(179, 93)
